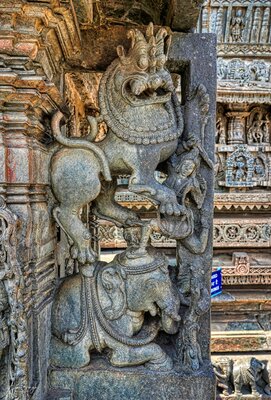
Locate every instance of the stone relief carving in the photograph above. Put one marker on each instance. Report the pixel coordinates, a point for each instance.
(154, 92)
(240, 165)
(239, 378)
(13, 329)
(190, 187)
(241, 22)
(122, 306)
(258, 126)
(242, 233)
(243, 72)
(241, 263)
(237, 27)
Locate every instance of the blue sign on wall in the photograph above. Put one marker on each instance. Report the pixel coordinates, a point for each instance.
(216, 282)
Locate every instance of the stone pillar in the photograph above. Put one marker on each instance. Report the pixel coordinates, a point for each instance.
(35, 39)
(236, 127)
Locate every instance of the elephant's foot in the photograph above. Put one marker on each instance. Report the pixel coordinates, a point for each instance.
(164, 363)
(151, 355)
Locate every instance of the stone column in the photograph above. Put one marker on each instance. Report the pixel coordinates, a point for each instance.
(35, 39)
(236, 127)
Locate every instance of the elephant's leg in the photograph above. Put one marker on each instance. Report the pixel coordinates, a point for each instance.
(106, 206)
(151, 355)
(237, 388)
(75, 183)
(253, 386)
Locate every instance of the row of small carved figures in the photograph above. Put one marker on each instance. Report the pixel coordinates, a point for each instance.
(242, 377)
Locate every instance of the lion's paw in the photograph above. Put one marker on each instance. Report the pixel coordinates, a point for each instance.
(171, 208)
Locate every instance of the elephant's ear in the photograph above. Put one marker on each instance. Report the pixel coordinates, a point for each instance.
(113, 282)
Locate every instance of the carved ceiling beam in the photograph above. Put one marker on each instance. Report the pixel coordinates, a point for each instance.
(180, 15)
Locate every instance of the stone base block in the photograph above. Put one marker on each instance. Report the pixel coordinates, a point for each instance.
(103, 382)
(244, 397)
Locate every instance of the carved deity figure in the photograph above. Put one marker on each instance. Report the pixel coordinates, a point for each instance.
(258, 131)
(239, 169)
(237, 27)
(220, 132)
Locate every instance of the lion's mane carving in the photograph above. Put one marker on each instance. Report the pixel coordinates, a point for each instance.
(139, 104)
(137, 96)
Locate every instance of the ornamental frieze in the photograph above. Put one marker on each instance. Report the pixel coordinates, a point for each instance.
(246, 232)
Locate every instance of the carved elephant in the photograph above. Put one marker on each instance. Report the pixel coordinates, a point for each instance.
(252, 373)
(107, 309)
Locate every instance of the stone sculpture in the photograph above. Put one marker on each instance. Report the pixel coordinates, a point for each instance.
(4, 333)
(237, 27)
(118, 296)
(241, 377)
(13, 329)
(146, 87)
(124, 308)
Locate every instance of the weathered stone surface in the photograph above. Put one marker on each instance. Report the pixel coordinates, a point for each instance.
(180, 15)
(100, 381)
(111, 307)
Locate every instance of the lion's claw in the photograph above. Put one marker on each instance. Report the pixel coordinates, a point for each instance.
(171, 208)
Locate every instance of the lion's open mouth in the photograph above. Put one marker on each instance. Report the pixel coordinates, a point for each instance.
(146, 96)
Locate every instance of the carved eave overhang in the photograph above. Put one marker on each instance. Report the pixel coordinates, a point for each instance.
(28, 28)
(36, 39)
(25, 95)
(231, 93)
(243, 50)
(242, 201)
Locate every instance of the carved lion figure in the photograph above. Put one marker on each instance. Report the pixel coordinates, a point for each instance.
(140, 107)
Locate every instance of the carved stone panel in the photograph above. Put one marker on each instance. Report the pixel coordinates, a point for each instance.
(128, 309)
